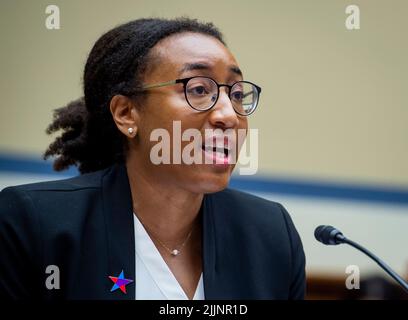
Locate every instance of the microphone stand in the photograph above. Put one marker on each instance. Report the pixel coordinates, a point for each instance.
(382, 264)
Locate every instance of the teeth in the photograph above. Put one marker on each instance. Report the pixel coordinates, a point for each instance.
(220, 150)
(214, 147)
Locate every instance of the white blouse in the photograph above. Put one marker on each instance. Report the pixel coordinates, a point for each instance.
(154, 279)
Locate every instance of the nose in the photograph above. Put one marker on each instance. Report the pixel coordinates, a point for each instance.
(223, 115)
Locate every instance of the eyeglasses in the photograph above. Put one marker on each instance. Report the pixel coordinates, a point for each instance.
(202, 93)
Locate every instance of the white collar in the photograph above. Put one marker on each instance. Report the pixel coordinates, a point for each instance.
(154, 279)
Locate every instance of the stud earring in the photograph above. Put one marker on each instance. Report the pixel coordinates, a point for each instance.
(130, 130)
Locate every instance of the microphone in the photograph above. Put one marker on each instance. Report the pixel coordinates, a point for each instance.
(329, 235)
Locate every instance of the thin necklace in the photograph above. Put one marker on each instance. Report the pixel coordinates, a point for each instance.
(174, 252)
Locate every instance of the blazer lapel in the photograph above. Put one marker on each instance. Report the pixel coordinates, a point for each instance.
(119, 224)
(209, 249)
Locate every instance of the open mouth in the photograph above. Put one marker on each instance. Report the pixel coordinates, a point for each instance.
(217, 151)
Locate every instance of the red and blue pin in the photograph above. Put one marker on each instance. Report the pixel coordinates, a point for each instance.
(120, 282)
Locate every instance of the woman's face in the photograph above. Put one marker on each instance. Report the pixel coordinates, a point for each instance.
(180, 56)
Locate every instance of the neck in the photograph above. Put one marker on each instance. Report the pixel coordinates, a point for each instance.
(167, 211)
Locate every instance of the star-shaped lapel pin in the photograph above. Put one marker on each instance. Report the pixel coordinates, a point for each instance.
(120, 282)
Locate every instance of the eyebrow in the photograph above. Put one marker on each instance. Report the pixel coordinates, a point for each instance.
(204, 66)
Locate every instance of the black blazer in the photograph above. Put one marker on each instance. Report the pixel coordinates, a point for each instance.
(84, 225)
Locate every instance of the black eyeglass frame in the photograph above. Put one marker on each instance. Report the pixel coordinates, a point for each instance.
(184, 81)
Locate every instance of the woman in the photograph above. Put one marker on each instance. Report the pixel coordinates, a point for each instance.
(128, 228)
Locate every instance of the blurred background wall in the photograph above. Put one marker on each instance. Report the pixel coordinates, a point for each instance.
(332, 119)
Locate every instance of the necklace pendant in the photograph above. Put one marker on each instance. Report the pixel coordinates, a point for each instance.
(175, 252)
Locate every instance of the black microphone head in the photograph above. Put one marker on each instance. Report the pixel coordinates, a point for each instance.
(328, 235)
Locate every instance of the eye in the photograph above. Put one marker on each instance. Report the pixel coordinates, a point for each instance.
(198, 90)
(237, 95)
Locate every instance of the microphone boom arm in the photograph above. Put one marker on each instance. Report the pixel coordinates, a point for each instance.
(329, 235)
(381, 263)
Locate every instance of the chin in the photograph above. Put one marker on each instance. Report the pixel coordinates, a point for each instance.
(210, 183)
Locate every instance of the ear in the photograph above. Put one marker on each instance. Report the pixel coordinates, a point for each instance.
(125, 115)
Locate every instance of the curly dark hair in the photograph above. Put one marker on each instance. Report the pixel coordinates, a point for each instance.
(90, 139)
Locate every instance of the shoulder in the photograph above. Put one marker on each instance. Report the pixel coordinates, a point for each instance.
(37, 220)
(49, 188)
(89, 180)
(29, 200)
(262, 231)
